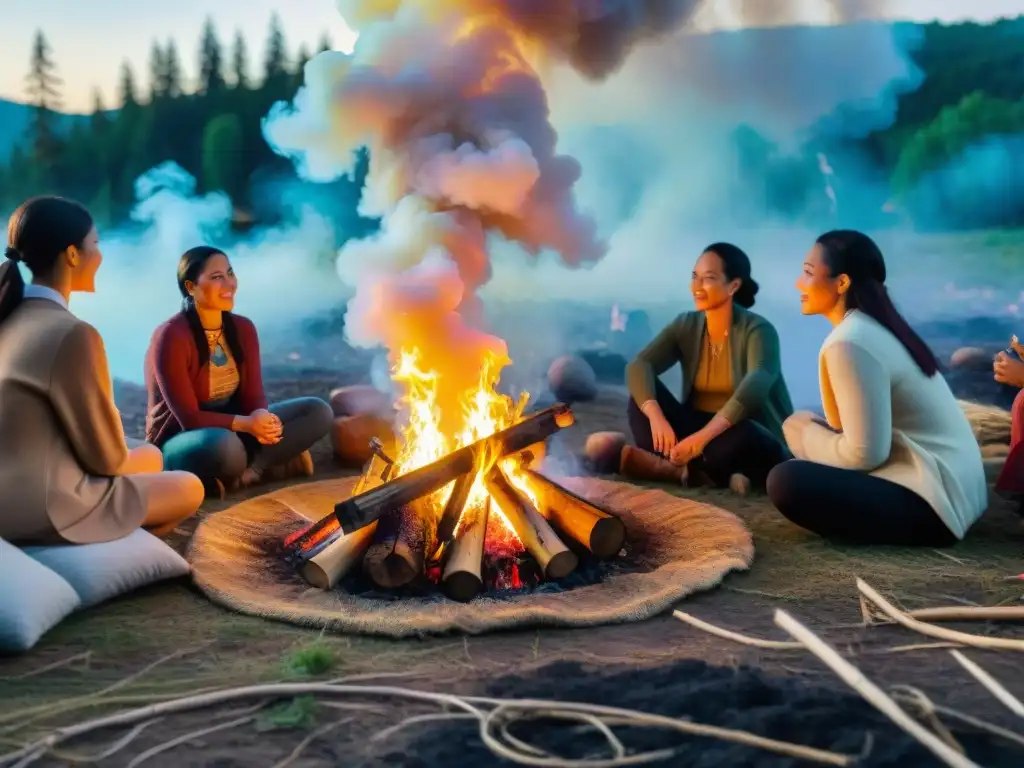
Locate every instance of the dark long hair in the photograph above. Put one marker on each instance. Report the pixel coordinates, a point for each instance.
(37, 234)
(190, 266)
(854, 254)
(736, 265)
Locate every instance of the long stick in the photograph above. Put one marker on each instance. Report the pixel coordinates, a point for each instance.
(464, 703)
(874, 695)
(992, 685)
(898, 616)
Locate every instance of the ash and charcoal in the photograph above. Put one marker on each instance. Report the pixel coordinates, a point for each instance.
(783, 708)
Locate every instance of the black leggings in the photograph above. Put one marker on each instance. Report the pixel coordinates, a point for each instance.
(746, 448)
(854, 507)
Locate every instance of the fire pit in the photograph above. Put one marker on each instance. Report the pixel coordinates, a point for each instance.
(478, 518)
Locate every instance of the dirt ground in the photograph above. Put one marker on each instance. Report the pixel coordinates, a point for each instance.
(795, 571)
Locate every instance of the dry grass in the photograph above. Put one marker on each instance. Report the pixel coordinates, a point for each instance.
(793, 569)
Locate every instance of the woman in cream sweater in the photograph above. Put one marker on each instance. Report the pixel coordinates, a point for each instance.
(896, 462)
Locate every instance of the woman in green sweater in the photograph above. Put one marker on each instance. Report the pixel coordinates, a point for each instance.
(727, 426)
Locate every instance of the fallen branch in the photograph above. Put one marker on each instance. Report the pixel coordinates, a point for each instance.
(901, 618)
(323, 730)
(727, 634)
(970, 613)
(914, 696)
(185, 738)
(992, 685)
(85, 656)
(874, 695)
(487, 720)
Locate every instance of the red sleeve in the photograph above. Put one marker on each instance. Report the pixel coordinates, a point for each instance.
(253, 398)
(171, 355)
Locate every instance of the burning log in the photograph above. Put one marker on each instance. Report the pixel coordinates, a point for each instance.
(463, 578)
(332, 563)
(452, 513)
(331, 560)
(540, 540)
(599, 531)
(363, 509)
(397, 549)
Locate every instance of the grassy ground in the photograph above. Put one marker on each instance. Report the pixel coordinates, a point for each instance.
(814, 580)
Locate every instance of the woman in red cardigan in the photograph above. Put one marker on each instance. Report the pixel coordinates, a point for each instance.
(1009, 369)
(207, 409)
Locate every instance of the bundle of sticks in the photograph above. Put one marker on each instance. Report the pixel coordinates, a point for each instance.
(386, 527)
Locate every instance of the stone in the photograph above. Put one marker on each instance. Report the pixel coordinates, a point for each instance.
(361, 399)
(572, 380)
(351, 437)
(972, 358)
(603, 451)
(609, 367)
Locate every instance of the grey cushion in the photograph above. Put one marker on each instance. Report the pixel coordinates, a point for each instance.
(33, 599)
(99, 572)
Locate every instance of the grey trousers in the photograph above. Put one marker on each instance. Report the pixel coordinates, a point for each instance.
(215, 453)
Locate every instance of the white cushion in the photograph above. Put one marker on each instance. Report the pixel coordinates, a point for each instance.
(33, 599)
(99, 572)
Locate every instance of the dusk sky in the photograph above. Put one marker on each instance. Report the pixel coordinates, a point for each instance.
(90, 38)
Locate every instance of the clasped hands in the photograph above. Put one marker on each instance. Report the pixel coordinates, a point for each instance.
(264, 426)
(1008, 369)
(679, 452)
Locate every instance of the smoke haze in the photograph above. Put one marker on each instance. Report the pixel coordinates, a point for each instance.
(583, 155)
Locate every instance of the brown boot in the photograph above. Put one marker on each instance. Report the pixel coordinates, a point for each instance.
(644, 465)
(300, 466)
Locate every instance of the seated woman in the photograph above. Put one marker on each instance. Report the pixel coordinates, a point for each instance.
(1008, 368)
(728, 424)
(207, 409)
(897, 461)
(66, 472)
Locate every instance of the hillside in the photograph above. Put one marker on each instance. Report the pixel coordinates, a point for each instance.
(14, 120)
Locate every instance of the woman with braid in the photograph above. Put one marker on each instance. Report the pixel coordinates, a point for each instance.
(727, 427)
(895, 461)
(208, 412)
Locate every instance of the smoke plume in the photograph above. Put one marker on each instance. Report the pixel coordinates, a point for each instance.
(458, 102)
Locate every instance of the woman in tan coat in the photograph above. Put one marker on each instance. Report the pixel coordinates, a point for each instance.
(66, 472)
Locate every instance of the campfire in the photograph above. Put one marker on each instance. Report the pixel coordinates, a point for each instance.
(469, 513)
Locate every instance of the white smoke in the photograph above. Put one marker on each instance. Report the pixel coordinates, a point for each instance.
(136, 287)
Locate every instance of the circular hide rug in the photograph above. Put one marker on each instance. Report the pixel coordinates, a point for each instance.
(674, 547)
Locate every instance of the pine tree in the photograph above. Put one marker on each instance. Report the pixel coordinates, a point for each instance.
(99, 120)
(275, 63)
(44, 96)
(325, 44)
(240, 61)
(302, 59)
(127, 94)
(211, 61)
(157, 72)
(172, 71)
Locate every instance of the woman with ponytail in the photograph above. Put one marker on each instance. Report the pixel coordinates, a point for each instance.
(896, 461)
(67, 474)
(726, 429)
(208, 412)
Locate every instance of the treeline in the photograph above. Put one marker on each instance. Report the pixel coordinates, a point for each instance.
(942, 162)
(971, 95)
(210, 127)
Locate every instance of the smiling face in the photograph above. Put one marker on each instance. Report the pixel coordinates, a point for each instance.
(215, 286)
(84, 261)
(709, 285)
(821, 293)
